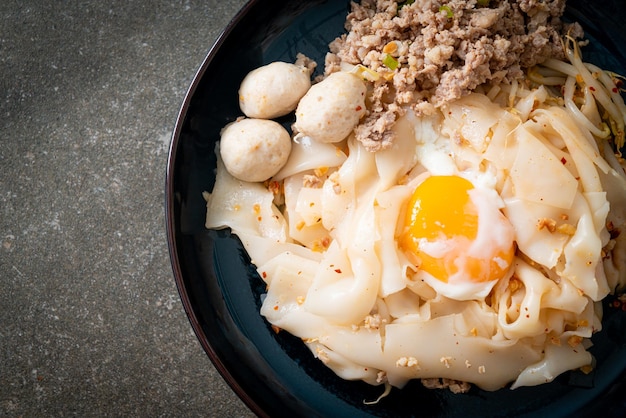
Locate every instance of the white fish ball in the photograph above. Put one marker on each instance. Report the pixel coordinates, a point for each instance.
(254, 150)
(273, 90)
(332, 108)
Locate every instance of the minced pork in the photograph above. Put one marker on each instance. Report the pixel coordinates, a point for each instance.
(443, 50)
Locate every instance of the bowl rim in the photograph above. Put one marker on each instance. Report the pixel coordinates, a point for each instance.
(170, 220)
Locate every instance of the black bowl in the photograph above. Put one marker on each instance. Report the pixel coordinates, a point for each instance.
(275, 374)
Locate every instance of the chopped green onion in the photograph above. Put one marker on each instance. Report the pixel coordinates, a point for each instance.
(405, 3)
(390, 62)
(364, 72)
(448, 10)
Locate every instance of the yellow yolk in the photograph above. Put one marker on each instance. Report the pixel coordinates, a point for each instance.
(441, 212)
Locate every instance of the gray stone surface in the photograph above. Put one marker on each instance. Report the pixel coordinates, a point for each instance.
(90, 319)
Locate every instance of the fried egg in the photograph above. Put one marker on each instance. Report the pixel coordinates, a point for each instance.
(457, 237)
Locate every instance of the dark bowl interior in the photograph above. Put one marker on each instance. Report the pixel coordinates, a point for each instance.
(275, 374)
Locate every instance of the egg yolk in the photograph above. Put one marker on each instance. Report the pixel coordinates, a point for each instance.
(441, 215)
